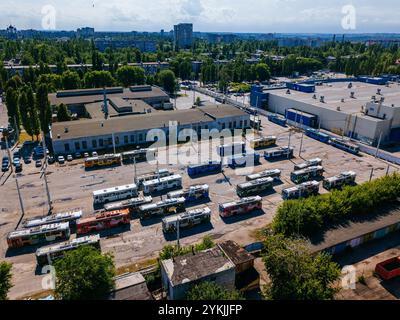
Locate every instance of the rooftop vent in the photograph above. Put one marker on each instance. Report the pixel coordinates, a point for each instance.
(314, 96)
(379, 92)
(350, 85)
(373, 98)
(342, 100)
(66, 130)
(382, 99)
(352, 94)
(102, 124)
(287, 91)
(338, 109)
(322, 99)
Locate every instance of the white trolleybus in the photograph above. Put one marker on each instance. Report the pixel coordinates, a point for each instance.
(162, 184)
(186, 220)
(115, 194)
(309, 163)
(70, 217)
(274, 173)
(254, 187)
(132, 204)
(191, 194)
(161, 173)
(162, 208)
(339, 181)
(47, 255)
(303, 190)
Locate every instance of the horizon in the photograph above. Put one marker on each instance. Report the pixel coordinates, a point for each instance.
(287, 16)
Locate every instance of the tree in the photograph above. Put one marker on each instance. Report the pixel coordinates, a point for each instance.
(44, 108)
(70, 80)
(128, 76)
(5, 279)
(98, 79)
(23, 106)
(166, 79)
(12, 106)
(62, 113)
(262, 72)
(34, 126)
(212, 292)
(84, 274)
(297, 274)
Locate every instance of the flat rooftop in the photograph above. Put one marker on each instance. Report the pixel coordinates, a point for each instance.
(235, 253)
(356, 228)
(334, 92)
(96, 127)
(95, 109)
(127, 94)
(192, 267)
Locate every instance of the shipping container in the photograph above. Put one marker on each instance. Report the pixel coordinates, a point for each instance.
(302, 118)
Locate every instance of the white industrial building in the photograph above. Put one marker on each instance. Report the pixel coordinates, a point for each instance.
(362, 111)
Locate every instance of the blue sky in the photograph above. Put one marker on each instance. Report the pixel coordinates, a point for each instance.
(310, 16)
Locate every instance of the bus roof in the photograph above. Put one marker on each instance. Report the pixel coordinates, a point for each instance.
(163, 179)
(115, 189)
(68, 244)
(39, 230)
(71, 215)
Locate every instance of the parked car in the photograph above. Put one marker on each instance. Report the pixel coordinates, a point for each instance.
(5, 166)
(27, 160)
(51, 160)
(61, 160)
(94, 154)
(18, 168)
(86, 155)
(38, 164)
(78, 155)
(16, 162)
(69, 158)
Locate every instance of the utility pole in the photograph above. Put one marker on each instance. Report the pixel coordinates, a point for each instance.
(44, 169)
(134, 164)
(290, 135)
(387, 170)
(20, 198)
(378, 146)
(178, 221)
(372, 173)
(113, 141)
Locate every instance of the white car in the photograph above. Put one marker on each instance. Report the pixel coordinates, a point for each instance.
(61, 160)
(69, 158)
(94, 154)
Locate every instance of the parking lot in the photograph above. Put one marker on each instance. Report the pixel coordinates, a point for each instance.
(71, 187)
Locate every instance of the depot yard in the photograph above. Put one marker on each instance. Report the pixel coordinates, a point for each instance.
(71, 187)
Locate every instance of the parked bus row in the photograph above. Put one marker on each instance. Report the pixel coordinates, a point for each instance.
(335, 142)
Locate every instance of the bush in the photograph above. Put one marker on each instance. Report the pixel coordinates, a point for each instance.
(307, 216)
(212, 292)
(170, 251)
(5, 279)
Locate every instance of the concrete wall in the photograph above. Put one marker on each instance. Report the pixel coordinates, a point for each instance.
(225, 279)
(139, 137)
(363, 128)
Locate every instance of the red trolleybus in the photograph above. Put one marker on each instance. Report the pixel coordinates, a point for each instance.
(103, 221)
(242, 206)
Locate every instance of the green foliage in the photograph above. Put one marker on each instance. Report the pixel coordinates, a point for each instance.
(23, 106)
(84, 274)
(43, 107)
(129, 76)
(212, 292)
(5, 279)
(167, 80)
(262, 72)
(12, 106)
(98, 79)
(307, 216)
(62, 113)
(71, 80)
(297, 274)
(170, 251)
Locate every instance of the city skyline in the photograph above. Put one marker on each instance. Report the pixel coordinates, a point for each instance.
(287, 16)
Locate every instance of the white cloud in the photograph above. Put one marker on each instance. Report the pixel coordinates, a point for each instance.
(207, 15)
